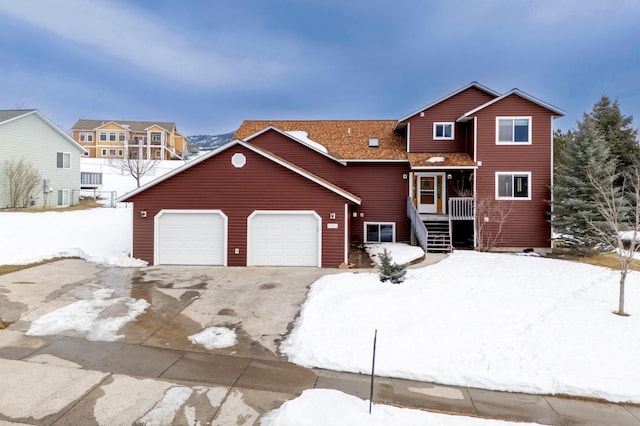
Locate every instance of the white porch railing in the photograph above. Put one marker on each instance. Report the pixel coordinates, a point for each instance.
(417, 225)
(461, 208)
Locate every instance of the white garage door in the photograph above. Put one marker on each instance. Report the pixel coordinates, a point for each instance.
(284, 239)
(191, 237)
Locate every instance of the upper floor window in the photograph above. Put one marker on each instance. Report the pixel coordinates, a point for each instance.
(89, 137)
(513, 185)
(443, 130)
(121, 137)
(156, 137)
(513, 130)
(63, 160)
(81, 134)
(112, 137)
(103, 136)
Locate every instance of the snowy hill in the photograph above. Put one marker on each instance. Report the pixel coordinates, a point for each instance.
(209, 142)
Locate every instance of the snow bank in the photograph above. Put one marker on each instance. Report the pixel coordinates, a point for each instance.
(214, 338)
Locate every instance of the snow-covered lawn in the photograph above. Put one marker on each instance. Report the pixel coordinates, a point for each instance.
(326, 407)
(400, 253)
(494, 321)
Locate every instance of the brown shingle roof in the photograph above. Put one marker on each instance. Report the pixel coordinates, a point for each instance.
(135, 126)
(451, 159)
(344, 139)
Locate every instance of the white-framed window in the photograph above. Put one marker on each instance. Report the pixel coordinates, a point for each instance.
(157, 154)
(112, 152)
(103, 136)
(513, 130)
(379, 232)
(112, 136)
(63, 160)
(156, 137)
(63, 197)
(86, 153)
(89, 137)
(443, 130)
(104, 152)
(120, 153)
(81, 136)
(513, 185)
(121, 137)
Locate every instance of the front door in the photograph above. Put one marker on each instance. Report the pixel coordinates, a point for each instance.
(430, 193)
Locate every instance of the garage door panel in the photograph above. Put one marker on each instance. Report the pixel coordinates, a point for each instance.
(284, 239)
(191, 238)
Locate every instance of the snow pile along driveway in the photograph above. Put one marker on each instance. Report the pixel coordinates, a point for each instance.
(495, 321)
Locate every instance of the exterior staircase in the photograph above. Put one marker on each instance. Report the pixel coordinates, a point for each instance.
(438, 235)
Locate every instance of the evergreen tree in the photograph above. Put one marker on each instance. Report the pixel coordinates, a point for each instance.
(586, 157)
(560, 140)
(390, 271)
(615, 128)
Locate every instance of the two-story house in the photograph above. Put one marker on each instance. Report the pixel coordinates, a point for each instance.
(32, 146)
(135, 139)
(473, 169)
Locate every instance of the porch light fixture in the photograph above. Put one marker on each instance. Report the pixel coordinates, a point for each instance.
(143, 213)
(449, 177)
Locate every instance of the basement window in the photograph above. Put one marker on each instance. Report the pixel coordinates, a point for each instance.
(384, 232)
(374, 142)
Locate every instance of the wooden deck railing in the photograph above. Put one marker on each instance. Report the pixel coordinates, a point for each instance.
(90, 178)
(461, 208)
(417, 225)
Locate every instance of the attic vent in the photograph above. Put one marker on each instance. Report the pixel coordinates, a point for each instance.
(374, 142)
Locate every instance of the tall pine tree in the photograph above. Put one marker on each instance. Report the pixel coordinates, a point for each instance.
(586, 153)
(615, 128)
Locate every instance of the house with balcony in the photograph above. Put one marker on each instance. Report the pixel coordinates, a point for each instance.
(135, 139)
(470, 170)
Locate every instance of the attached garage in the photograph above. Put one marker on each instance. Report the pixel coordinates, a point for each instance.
(190, 237)
(284, 238)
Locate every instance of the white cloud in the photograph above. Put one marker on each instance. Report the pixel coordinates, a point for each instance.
(121, 32)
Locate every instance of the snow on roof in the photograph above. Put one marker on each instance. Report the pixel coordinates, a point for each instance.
(303, 137)
(435, 159)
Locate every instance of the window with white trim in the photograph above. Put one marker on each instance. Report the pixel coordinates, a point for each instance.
(104, 152)
(90, 137)
(103, 136)
(112, 152)
(85, 154)
(63, 197)
(121, 137)
(382, 232)
(513, 130)
(112, 136)
(81, 134)
(120, 153)
(443, 130)
(63, 160)
(513, 185)
(156, 137)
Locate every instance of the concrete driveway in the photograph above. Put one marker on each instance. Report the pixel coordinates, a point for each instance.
(153, 374)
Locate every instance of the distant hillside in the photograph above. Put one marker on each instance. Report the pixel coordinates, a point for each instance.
(209, 142)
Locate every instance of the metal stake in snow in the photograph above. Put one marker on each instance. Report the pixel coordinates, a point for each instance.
(373, 369)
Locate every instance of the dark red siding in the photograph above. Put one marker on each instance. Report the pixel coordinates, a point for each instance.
(527, 224)
(260, 185)
(449, 110)
(382, 186)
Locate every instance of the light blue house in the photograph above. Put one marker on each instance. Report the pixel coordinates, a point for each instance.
(28, 136)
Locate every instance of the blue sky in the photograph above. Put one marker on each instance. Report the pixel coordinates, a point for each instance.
(207, 65)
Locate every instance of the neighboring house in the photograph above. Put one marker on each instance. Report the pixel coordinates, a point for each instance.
(138, 139)
(473, 169)
(28, 135)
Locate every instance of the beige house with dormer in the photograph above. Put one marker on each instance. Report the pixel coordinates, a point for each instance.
(152, 140)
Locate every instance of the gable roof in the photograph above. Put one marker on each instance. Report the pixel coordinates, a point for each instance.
(450, 95)
(135, 126)
(343, 139)
(467, 116)
(266, 154)
(7, 116)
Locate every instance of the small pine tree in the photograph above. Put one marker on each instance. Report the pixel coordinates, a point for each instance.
(389, 270)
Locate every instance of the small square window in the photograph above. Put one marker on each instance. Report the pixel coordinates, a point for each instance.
(443, 130)
(156, 137)
(63, 160)
(112, 152)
